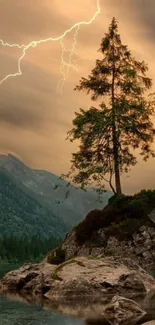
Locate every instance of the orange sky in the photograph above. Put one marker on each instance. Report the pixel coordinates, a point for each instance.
(34, 118)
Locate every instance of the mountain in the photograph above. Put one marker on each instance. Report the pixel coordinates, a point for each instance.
(47, 192)
(23, 215)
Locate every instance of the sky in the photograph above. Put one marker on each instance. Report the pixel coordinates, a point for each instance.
(34, 116)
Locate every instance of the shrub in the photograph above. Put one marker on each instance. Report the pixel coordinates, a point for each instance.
(119, 213)
(56, 256)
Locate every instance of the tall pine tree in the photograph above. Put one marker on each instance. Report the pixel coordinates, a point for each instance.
(122, 122)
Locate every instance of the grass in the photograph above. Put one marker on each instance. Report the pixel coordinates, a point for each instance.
(90, 257)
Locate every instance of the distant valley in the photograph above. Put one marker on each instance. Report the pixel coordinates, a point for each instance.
(33, 201)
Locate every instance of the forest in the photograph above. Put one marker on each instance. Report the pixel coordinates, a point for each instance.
(24, 249)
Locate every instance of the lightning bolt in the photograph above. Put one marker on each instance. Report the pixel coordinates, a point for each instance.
(65, 66)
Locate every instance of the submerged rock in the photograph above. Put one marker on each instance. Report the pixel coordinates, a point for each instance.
(123, 311)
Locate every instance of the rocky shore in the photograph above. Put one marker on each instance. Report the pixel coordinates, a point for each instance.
(108, 257)
(101, 290)
(89, 278)
(80, 277)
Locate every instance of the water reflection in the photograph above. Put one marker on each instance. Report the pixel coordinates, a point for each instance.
(13, 312)
(27, 310)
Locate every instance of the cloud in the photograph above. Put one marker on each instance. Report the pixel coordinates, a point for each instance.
(31, 110)
(27, 21)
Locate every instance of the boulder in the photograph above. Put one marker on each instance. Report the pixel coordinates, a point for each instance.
(123, 311)
(80, 277)
(30, 278)
(87, 276)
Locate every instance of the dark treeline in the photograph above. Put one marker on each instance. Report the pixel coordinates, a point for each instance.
(14, 249)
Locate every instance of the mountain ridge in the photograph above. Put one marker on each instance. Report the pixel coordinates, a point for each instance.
(42, 185)
(22, 215)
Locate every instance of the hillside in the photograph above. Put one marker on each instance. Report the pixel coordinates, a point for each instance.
(22, 215)
(49, 189)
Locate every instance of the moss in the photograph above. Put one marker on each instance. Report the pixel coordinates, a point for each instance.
(55, 275)
(123, 215)
(90, 257)
(80, 263)
(59, 268)
(56, 256)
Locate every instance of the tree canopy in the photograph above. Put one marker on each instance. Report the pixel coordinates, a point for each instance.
(110, 133)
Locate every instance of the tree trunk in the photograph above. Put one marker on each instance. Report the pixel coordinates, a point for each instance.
(116, 157)
(117, 172)
(115, 137)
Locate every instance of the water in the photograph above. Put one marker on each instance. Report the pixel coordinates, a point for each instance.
(19, 313)
(6, 267)
(14, 311)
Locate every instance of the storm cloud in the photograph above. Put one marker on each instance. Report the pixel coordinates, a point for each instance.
(34, 117)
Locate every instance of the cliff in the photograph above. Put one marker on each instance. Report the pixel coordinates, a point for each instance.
(125, 227)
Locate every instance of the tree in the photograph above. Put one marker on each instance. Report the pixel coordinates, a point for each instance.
(110, 134)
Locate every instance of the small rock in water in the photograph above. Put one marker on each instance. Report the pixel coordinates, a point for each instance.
(123, 311)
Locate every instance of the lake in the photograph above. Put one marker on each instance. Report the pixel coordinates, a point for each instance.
(15, 310)
(6, 267)
(18, 313)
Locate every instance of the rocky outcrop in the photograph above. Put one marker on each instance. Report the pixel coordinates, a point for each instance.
(80, 277)
(139, 247)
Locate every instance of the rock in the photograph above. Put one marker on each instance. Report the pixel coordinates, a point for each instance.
(28, 278)
(15, 280)
(132, 280)
(140, 247)
(70, 245)
(152, 216)
(149, 304)
(81, 277)
(87, 276)
(117, 230)
(123, 311)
